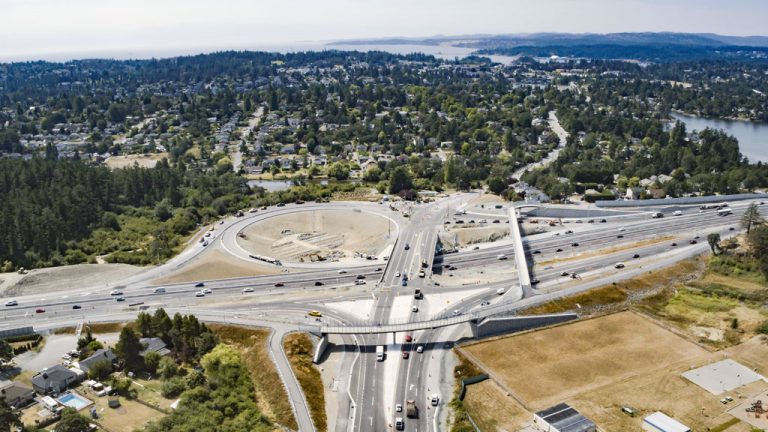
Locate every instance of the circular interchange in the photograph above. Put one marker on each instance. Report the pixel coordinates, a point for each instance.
(332, 235)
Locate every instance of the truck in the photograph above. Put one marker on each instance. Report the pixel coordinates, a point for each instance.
(380, 353)
(724, 211)
(411, 411)
(657, 215)
(399, 424)
(417, 294)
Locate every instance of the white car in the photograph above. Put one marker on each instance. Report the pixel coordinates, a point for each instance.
(199, 294)
(420, 349)
(435, 399)
(115, 293)
(12, 303)
(456, 312)
(359, 282)
(501, 291)
(501, 257)
(398, 407)
(247, 290)
(622, 229)
(207, 291)
(342, 271)
(397, 274)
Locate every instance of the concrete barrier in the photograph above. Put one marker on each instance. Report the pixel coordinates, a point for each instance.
(498, 325)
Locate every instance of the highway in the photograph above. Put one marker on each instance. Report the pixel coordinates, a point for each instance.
(375, 387)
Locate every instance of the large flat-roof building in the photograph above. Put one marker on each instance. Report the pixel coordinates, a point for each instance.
(660, 422)
(563, 418)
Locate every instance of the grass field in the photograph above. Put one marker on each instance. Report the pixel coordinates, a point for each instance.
(572, 359)
(298, 348)
(216, 265)
(270, 393)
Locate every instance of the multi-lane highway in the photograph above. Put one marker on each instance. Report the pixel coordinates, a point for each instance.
(374, 387)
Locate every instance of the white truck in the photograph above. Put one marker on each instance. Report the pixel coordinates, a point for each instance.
(380, 353)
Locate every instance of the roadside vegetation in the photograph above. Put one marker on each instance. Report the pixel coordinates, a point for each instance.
(463, 369)
(298, 347)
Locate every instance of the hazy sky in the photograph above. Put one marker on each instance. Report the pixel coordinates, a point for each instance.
(48, 28)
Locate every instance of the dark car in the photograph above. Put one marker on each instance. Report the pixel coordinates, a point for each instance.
(407, 246)
(591, 221)
(279, 284)
(39, 310)
(281, 204)
(603, 221)
(693, 242)
(199, 285)
(75, 306)
(534, 281)
(636, 256)
(569, 232)
(360, 277)
(120, 299)
(536, 252)
(405, 282)
(378, 269)
(674, 244)
(559, 250)
(731, 229)
(575, 245)
(565, 273)
(318, 283)
(620, 236)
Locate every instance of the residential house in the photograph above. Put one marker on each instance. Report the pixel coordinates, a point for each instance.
(55, 379)
(100, 355)
(154, 345)
(16, 395)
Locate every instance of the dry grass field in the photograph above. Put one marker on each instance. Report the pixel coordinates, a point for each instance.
(492, 409)
(567, 360)
(216, 265)
(328, 233)
(144, 161)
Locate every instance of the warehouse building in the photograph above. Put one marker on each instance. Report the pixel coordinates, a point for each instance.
(563, 418)
(660, 422)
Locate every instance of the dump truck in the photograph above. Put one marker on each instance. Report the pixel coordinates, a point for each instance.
(411, 411)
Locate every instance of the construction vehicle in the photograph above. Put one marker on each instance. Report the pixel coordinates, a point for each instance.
(411, 411)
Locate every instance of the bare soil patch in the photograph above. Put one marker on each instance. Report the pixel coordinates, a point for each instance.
(66, 278)
(315, 235)
(216, 265)
(571, 359)
(493, 410)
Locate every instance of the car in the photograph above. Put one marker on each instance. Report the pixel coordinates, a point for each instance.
(359, 282)
(620, 236)
(11, 303)
(591, 221)
(221, 222)
(579, 221)
(405, 354)
(115, 292)
(422, 274)
(559, 250)
(501, 291)
(75, 306)
(692, 241)
(622, 229)
(731, 229)
(247, 289)
(120, 299)
(66, 357)
(315, 313)
(603, 221)
(535, 281)
(318, 283)
(408, 338)
(420, 349)
(39, 310)
(575, 245)
(456, 312)
(636, 256)
(207, 291)
(199, 294)
(501, 257)
(397, 274)
(414, 308)
(404, 282)
(435, 399)
(279, 284)
(565, 273)
(342, 271)
(453, 267)
(358, 277)
(496, 221)
(674, 244)
(536, 252)
(378, 269)
(619, 265)
(199, 284)
(281, 204)
(476, 248)
(398, 407)
(485, 303)
(569, 232)
(205, 243)
(407, 246)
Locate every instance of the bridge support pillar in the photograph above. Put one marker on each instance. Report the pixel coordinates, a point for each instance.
(322, 345)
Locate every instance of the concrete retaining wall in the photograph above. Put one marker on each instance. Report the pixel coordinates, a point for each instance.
(21, 331)
(322, 345)
(498, 325)
(679, 201)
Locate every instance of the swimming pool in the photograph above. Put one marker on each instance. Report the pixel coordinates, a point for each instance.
(74, 400)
